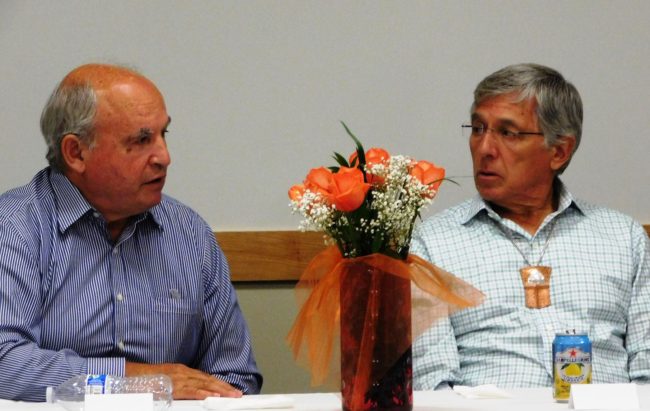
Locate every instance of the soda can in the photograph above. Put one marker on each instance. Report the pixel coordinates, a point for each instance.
(571, 362)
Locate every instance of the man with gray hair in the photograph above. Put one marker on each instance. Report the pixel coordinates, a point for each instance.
(546, 261)
(100, 273)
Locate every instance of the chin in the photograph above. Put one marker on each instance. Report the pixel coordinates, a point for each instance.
(487, 194)
(151, 203)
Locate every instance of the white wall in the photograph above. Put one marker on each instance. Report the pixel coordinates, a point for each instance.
(256, 89)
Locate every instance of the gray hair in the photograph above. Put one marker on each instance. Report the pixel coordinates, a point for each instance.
(69, 110)
(559, 107)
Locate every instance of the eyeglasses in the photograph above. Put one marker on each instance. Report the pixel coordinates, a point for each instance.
(480, 130)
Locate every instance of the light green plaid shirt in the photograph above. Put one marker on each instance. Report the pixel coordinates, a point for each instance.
(600, 284)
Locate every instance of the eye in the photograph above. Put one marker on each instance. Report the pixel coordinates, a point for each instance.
(144, 139)
(478, 129)
(164, 132)
(504, 132)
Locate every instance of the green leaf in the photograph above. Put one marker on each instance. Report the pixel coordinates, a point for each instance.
(361, 154)
(393, 254)
(377, 243)
(340, 160)
(450, 180)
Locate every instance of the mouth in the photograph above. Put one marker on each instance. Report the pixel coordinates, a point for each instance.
(487, 175)
(156, 181)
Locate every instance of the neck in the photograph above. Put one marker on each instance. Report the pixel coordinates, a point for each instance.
(529, 215)
(115, 228)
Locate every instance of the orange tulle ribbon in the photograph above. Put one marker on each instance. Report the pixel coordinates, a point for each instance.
(313, 337)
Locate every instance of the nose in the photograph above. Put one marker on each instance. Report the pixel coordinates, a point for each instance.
(160, 157)
(485, 144)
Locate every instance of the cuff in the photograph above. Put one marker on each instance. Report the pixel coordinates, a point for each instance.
(109, 365)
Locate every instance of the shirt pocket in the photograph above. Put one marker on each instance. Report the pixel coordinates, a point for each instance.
(175, 306)
(177, 330)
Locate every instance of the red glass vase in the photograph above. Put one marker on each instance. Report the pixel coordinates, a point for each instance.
(376, 364)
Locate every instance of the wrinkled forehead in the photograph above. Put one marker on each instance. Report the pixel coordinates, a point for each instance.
(516, 97)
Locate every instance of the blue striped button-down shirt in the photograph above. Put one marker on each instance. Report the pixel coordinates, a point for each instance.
(74, 302)
(600, 284)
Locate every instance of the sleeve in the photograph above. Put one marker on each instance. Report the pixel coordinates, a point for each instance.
(638, 325)
(436, 362)
(226, 347)
(26, 369)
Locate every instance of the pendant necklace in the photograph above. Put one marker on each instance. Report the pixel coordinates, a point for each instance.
(536, 278)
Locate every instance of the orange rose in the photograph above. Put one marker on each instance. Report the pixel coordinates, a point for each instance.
(296, 192)
(427, 173)
(373, 156)
(319, 180)
(348, 189)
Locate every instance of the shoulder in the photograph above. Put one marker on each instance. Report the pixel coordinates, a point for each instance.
(446, 232)
(20, 202)
(447, 221)
(176, 217)
(607, 221)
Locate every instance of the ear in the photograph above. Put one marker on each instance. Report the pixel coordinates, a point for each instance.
(72, 150)
(562, 151)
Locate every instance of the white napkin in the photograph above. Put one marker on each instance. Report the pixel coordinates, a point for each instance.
(604, 397)
(481, 391)
(248, 402)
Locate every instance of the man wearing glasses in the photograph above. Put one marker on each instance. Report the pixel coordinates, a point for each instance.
(546, 261)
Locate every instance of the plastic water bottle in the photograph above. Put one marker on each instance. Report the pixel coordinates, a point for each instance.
(70, 394)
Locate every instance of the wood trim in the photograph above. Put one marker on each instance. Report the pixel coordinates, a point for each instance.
(269, 255)
(273, 255)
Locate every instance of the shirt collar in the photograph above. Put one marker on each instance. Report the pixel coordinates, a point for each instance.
(71, 204)
(477, 206)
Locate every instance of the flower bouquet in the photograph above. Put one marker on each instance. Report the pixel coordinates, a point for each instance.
(360, 286)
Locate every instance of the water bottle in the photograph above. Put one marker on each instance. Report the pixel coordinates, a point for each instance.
(70, 394)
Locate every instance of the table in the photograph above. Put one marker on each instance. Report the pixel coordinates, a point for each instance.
(526, 399)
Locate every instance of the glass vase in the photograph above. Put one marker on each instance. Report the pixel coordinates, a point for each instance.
(376, 364)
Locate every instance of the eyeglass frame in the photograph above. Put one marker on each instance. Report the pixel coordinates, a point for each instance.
(502, 131)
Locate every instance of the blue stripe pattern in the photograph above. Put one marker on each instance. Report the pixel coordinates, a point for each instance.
(73, 302)
(600, 284)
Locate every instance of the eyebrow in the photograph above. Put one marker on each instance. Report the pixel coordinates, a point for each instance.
(500, 122)
(142, 133)
(147, 132)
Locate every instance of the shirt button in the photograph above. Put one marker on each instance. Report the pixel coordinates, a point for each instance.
(96, 214)
(120, 345)
(120, 297)
(115, 251)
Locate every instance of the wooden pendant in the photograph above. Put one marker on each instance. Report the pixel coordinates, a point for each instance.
(537, 281)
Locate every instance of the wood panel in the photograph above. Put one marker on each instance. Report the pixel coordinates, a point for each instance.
(269, 255)
(273, 255)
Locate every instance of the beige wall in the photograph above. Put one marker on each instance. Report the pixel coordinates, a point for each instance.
(270, 309)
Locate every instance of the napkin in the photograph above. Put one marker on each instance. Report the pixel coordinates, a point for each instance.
(604, 397)
(481, 391)
(246, 402)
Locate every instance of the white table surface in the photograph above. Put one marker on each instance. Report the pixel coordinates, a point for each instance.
(527, 399)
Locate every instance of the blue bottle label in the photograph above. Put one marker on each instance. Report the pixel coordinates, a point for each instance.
(96, 384)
